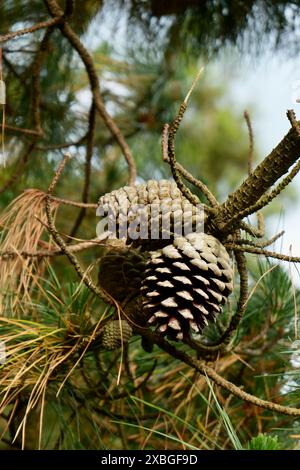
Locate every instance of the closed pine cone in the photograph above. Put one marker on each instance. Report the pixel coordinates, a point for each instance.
(114, 333)
(121, 272)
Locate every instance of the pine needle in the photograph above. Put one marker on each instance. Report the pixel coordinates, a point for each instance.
(22, 225)
(193, 85)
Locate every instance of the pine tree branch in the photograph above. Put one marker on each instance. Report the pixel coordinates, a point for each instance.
(267, 198)
(262, 244)
(186, 175)
(253, 231)
(205, 370)
(44, 24)
(65, 145)
(21, 130)
(60, 242)
(53, 252)
(172, 159)
(35, 80)
(68, 202)
(87, 60)
(275, 165)
(260, 251)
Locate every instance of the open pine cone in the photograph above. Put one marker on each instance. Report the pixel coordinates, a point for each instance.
(186, 284)
(150, 207)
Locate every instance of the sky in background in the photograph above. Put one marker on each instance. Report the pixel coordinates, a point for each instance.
(270, 84)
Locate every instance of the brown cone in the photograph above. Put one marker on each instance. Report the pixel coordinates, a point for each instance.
(186, 284)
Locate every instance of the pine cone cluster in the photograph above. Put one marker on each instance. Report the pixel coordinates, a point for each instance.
(177, 286)
(186, 284)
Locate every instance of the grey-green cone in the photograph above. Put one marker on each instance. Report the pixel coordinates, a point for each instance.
(186, 284)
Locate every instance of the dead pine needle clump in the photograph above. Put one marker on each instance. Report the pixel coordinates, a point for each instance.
(22, 226)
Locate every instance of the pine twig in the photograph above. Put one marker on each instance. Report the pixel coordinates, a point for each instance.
(172, 159)
(257, 232)
(171, 146)
(266, 199)
(292, 118)
(205, 370)
(262, 244)
(87, 60)
(251, 142)
(68, 202)
(253, 231)
(21, 130)
(44, 24)
(62, 146)
(60, 242)
(261, 229)
(53, 252)
(35, 80)
(197, 183)
(275, 165)
(260, 251)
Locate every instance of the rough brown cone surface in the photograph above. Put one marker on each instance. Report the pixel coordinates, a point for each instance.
(155, 211)
(121, 272)
(186, 284)
(114, 333)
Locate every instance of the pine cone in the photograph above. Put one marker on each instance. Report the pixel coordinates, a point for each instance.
(186, 284)
(150, 207)
(114, 333)
(121, 272)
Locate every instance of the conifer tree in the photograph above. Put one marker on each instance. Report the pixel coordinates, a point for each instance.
(88, 358)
